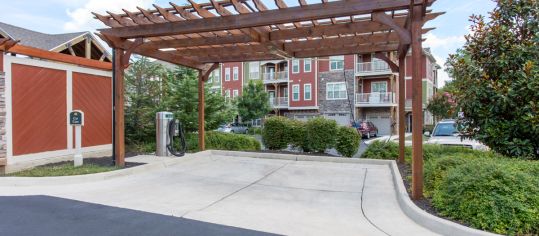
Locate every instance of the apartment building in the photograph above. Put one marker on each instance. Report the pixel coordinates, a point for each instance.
(342, 88)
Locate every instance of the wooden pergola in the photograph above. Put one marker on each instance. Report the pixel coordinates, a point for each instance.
(202, 35)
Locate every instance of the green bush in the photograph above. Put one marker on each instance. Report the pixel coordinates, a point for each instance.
(382, 150)
(492, 194)
(223, 141)
(297, 132)
(275, 133)
(347, 142)
(320, 134)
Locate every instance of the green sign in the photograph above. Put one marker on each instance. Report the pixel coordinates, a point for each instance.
(76, 118)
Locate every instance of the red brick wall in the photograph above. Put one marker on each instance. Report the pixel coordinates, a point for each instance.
(232, 84)
(92, 94)
(301, 79)
(39, 109)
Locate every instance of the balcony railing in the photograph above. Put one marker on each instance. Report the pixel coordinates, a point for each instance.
(372, 68)
(278, 102)
(373, 99)
(275, 77)
(254, 75)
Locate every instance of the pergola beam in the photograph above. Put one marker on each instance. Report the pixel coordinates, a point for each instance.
(256, 19)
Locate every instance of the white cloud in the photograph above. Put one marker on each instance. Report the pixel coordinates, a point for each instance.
(83, 20)
(450, 42)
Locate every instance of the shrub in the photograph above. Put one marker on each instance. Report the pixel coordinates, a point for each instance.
(320, 134)
(297, 132)
(382, 150)
(275, 133)
(223, 141)
(347, 142)
(254, 130)
(492, 194)
(436, 170)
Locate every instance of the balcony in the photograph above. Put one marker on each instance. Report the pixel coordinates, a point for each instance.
(280, 102)
(275, 77)
(372, 68)
(375, 99)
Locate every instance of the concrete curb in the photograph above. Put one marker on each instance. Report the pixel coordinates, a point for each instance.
(434, 223)
(65, 180)
(293, 157)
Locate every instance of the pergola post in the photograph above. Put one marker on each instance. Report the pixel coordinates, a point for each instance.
(201, 105)
(417, 103)
(119, 128)
(401, 105)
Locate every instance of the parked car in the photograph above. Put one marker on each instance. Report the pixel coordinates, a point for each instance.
(224, 128)
(447, 133)
(238, 128)
(365, 128)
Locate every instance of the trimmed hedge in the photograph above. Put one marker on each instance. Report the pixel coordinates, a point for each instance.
(297, 132)
(482, 189)
(275, 133)
(347, 141)
(320, 134)
(223, 141)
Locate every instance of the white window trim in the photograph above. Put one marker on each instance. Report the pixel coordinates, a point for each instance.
(295, 86)
(334, 83)
(235, 73)
(295, 61)
(310, 65)
(379, 82)
(305, 92)
(235, 93)
(330, 61)
(227, 74)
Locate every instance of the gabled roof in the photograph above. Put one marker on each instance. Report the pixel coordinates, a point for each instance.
(36, 39)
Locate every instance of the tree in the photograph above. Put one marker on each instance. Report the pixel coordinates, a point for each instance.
(182, 99)
(496, 75)
(442, 105)
(254, 102)
(143, 93)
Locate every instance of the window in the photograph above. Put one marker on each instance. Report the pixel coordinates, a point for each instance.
(235, 93)
(335, 91)
(295, 66)
(379, 87)
(307, 92)
(235, 73)
(227, 93)
(216, 75)
(295, 92)
(336, 63)
(307, 65)
(253, 70)
(227, 75)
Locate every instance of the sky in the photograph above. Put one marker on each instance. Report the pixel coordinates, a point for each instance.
(63, 16)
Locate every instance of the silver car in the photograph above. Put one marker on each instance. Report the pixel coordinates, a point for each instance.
(446, 133)
(238, 128)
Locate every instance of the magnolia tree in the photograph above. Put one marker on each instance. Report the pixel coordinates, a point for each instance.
(496, 78)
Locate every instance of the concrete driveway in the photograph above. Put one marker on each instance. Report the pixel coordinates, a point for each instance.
(217, 195)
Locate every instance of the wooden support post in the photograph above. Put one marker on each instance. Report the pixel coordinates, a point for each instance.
(119, 128)
(401, 106)
(88, 47)
(417, 104)
(203, 75)
(201, 132)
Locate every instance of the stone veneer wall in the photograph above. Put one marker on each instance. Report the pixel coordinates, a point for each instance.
(336, 106)
(3, 144)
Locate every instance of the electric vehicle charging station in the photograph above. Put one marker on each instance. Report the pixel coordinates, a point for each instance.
(166, 128)
(76, 119)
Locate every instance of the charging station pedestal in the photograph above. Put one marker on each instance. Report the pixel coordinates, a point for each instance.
(76, 119)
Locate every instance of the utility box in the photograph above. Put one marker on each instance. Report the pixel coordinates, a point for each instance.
(162, 120)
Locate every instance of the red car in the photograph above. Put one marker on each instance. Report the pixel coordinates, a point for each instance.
(366, 129)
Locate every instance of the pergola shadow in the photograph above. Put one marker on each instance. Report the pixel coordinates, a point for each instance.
(202, 35)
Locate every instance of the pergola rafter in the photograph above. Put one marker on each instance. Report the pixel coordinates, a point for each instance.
(201, 35)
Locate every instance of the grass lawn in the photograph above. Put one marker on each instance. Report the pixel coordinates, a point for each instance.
(63, 170)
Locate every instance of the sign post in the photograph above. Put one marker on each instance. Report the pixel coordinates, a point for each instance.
(76, 119)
